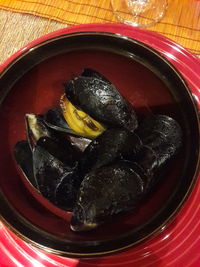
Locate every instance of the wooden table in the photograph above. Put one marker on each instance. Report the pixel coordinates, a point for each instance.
(181, 23)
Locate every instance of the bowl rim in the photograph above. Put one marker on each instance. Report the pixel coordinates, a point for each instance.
(47, 39)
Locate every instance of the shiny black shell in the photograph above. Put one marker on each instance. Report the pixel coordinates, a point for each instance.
(102, 101)
(104, 192)
(111, 145)
(24, 159)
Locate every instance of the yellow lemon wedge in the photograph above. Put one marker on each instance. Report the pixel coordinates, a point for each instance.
(79, 121)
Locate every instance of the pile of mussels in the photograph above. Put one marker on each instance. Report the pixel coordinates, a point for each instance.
(90, 156)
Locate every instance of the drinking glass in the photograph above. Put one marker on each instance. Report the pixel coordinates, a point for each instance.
(141, 13)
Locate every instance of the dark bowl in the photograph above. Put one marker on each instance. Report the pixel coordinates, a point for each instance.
(32, 83)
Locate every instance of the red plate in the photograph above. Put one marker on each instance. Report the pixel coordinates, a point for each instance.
(178, 244)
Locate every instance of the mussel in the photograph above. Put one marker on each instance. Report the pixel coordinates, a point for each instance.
(54, 119)
(91, 104)
(105, 192)
(47, 160)
(24, 158)
(48, 171)
(110, 189)
(113, 144)
(158, 126)
(163, 135)
(92, 94)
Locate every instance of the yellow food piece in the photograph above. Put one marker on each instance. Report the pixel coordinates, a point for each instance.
(79, 121)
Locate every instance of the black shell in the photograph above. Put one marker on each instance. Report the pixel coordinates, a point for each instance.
(67, 190)
(102, 101)
(93, 73)
(24, 158)
(61, 149)
(45, 173)
(54, 119)
(104, 192)
(145, 165)
(49, 159)
(161, 136)
(53, 163)
(48, 172)
(112, 144)
(111, 189)
(56, 143)
(164, 126)
(106, 148)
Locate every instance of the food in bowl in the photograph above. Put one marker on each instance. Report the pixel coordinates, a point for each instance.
(117, 167)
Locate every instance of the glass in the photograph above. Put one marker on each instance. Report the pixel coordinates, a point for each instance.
(142, 13)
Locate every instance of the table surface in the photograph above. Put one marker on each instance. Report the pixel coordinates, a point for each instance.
(180, 23)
